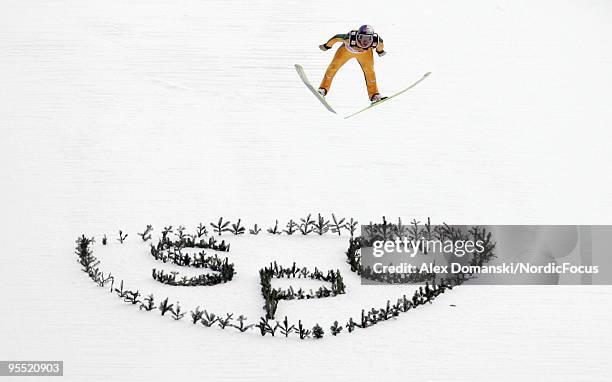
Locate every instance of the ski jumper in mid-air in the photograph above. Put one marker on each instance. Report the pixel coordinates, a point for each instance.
(359, 44)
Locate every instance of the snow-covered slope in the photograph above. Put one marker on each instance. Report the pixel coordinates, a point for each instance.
(123, 113)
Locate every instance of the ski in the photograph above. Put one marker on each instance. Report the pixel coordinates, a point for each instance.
(390, 97)
(314, 91)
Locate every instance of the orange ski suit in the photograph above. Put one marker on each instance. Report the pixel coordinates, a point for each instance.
(365, 57)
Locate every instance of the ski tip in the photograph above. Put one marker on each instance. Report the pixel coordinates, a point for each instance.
(298, 66)
(427, 74)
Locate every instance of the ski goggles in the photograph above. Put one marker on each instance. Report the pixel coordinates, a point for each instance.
(364, 40)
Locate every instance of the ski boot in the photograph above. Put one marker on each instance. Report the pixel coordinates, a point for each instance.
(322, 91)
(376, 98)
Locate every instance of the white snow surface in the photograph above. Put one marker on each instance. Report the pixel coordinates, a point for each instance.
(121, 113)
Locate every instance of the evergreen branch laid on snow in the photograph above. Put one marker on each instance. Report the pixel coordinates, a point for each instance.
(241, 326)
(201, 231)
(100, 279)
(335, 329)
(176, 312)
(266, 327)
(414, 231)
(350, 325)
(196, 315)
(224, 322)
(275, 230)
(351, 226)
(165, 308)
(292, 227)
(120, 292)
(180, 234)
(302, 331)
(255, 231)
(209, 319)
(166, 231)
(150, 303)
(86, 258)
(306, 225)
(122, 237)
(285, 328)
(132, 297)
(221, 226)
(321, 226)
(338, 225)
(146, 235)
(237, 229)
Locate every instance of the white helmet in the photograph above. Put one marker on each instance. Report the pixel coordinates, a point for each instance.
(365, 36)
(366, 29)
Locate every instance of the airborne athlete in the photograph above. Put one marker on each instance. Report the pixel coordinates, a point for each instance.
(358, 44)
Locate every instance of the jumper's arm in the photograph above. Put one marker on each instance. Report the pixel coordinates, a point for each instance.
(380, 48)
(337, 38)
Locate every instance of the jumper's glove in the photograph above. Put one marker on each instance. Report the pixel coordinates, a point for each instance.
(382, 53)
(324, 47)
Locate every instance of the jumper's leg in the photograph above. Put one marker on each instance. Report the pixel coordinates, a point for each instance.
(340, 58)
(366, 61)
